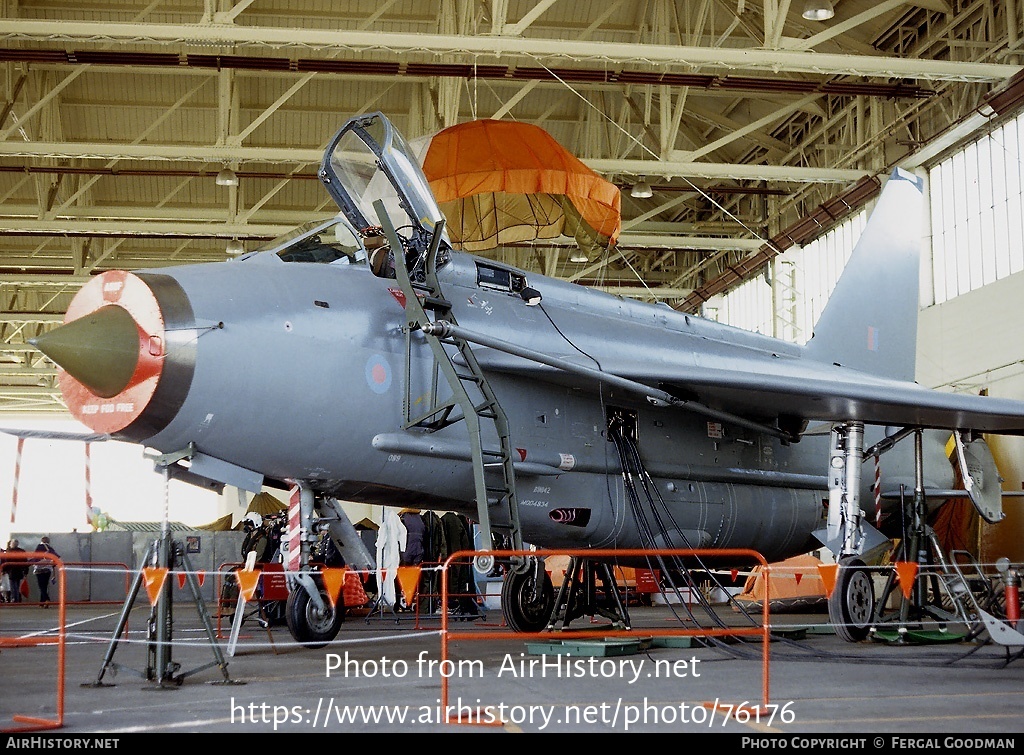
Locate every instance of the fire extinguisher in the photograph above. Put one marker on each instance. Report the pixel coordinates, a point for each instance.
(1011, 590)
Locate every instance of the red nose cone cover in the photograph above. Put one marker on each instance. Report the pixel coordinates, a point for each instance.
(123, 289)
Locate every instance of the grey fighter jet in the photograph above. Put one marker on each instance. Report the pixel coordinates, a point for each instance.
(365, 359)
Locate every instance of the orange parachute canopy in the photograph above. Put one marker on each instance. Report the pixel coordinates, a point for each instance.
(502, 182)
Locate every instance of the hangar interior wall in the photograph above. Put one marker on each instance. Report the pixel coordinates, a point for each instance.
(973, 343)
(100, 566)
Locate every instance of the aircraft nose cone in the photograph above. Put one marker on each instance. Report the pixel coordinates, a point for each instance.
(99, 350)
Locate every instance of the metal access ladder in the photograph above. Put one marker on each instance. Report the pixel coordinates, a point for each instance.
(472, 400)
(999, 631)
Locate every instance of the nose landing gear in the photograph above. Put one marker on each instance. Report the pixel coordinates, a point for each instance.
(313, 621)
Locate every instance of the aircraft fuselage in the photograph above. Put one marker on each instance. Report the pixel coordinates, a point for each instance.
(297, 371)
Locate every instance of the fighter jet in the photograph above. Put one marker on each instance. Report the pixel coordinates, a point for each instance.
(367, 359)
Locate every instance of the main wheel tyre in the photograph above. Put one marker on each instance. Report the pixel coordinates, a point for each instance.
(309, 625)
(525, 608)
(851, 606)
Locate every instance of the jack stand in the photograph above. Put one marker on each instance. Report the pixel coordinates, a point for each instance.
(161, 668)
(577, 595)
(926, 598)
(167, 554)
(919, 545)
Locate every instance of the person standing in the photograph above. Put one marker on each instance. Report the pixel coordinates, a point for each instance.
(44, 570)
(5, 581)
(16, 569)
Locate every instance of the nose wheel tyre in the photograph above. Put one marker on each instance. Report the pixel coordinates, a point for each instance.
(525, 604)
(309, 625)
(851, 606)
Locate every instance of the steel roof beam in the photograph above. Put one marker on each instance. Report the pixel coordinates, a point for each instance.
(740, 172)
(196, 153)
(509, 48)
(195, 229)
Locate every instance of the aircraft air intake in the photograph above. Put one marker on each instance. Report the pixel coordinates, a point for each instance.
(112, 351)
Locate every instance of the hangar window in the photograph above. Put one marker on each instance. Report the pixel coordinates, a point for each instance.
(976, 204)
(977, 201)
(976, 207)
(788, 301)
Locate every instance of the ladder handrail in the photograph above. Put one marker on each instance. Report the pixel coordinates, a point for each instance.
(472, 412)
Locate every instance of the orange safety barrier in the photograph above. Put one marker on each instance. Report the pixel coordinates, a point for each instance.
(763, 631)
(33, 723)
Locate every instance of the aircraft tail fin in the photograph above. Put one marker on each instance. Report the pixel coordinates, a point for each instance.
(870, 321)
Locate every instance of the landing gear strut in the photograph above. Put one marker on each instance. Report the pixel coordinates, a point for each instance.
(851, 604)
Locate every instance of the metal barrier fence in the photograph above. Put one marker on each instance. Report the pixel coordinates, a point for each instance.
(34, 723)
(75, 566)
(447, 634)
(763, 631)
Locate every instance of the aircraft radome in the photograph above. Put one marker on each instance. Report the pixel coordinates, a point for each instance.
(550, 414)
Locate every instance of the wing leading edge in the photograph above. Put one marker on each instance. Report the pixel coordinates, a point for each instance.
(765, 389)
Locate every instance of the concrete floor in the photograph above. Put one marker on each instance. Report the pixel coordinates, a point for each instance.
(383, 667)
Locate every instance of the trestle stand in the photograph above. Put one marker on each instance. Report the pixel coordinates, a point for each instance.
(161, 668)
(937, 587)
(167, 554)
(578, 595)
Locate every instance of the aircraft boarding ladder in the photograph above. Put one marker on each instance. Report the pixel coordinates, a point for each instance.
(471, 393)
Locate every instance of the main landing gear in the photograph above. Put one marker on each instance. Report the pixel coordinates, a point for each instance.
(527, 597)
(939, 592)
(851, 605)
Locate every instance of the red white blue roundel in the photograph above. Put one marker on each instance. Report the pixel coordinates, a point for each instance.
(378, 374)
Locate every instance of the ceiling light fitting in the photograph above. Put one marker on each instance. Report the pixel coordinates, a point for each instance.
(227, 177)
(578, 256)
(818, 10)
(235, 247)
(641, 189)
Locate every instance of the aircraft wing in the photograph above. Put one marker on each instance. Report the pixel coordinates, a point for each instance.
(767, 387)
(56, 435)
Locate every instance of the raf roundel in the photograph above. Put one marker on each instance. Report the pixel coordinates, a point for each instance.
(378, 374)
